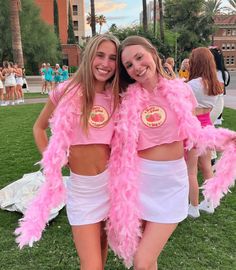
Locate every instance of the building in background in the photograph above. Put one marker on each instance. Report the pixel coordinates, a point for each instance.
(225, 38)
(70, 52)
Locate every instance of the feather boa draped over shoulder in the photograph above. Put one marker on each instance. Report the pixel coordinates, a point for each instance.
(52, 192)
(124, 225)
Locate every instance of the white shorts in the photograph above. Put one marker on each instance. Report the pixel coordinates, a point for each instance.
(87, 198)
(19, 81)
(1, 85)
(164, 190)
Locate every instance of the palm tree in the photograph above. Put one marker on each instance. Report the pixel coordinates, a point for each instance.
(154, 16)
(145, 16)
(233, 4)
(101, 19)
(15, 6)
(211, 9)
(93, 18)
(162, 35)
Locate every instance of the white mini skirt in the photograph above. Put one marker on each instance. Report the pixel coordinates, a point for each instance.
(87, 198)
(164, 190)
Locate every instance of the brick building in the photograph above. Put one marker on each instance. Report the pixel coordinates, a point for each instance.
(70, 52)
(225, 38)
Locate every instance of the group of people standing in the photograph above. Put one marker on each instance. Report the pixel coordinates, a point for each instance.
(130, 135)
(52, 76)
(12, 78)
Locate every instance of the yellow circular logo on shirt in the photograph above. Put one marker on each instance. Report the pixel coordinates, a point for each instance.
(98, 117)
(153, 116)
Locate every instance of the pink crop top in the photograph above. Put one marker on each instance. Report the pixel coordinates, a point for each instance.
(158, 122)
(100, 131)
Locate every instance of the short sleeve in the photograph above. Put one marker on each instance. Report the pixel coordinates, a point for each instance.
(191, 96)
(56, 94)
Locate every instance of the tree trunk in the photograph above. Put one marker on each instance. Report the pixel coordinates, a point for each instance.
(154, 17)
(145, 27)
(161, 21)
(15, 32)
(93, 20)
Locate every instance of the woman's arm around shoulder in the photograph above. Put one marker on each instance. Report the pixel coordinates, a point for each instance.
(41, 124)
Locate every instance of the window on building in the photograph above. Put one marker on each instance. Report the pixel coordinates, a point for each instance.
(65, 59)
(228, 46)
(223, 46)
(75, 9)
(227, 60)
(234, 32)
(77, 39)
(232, 46)
(224, 32)
(228, 32)
(232, 60)
(75, 25)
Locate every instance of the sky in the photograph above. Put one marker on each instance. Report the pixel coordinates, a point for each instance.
(121, 12)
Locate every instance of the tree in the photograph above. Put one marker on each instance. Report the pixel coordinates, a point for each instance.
(145, 27)
(193, 28)
(121, 34)
(233, 4)
(93, 18)
(70, 30)
(39, 42)
(56, 19)
(162, 35)
(16, 32)
(154, 16)
(212, 8)
(101, 19)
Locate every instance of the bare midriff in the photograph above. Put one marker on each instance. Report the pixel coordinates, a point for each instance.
(89, 159)
(163, 152)
(199, 111)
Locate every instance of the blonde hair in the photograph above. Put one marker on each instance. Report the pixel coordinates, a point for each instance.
(125, 79)
(84, 76)
(202, 64)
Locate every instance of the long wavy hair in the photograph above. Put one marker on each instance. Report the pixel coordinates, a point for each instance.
(85, 78)
(219, 60)
(202, 64)
(125, 79)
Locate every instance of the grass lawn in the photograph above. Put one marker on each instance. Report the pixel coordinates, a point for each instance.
(208, 243)
(34, 95)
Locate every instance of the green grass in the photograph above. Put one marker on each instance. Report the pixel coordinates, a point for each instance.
(208, 243)
(34, 95)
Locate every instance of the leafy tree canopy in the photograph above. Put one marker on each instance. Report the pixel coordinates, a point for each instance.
(40, 43)
(121, 34)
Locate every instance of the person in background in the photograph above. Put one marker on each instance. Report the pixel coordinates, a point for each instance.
(206, 87)
(57, 75)
(169, 67)
(65, 73)
(42, 72)
(48, 72)
(25, 84)
(8, 73)
(224, 78)
(19, 84)
(2, 103)
(83, 120)
(184, 70)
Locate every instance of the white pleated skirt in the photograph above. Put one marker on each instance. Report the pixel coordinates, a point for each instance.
(164, 190)
(87, 198)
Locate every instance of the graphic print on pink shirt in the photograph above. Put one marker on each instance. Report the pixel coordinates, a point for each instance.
(98, 117)
(153, 116)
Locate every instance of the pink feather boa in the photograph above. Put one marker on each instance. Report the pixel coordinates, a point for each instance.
(123, 224)
(52, 192)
